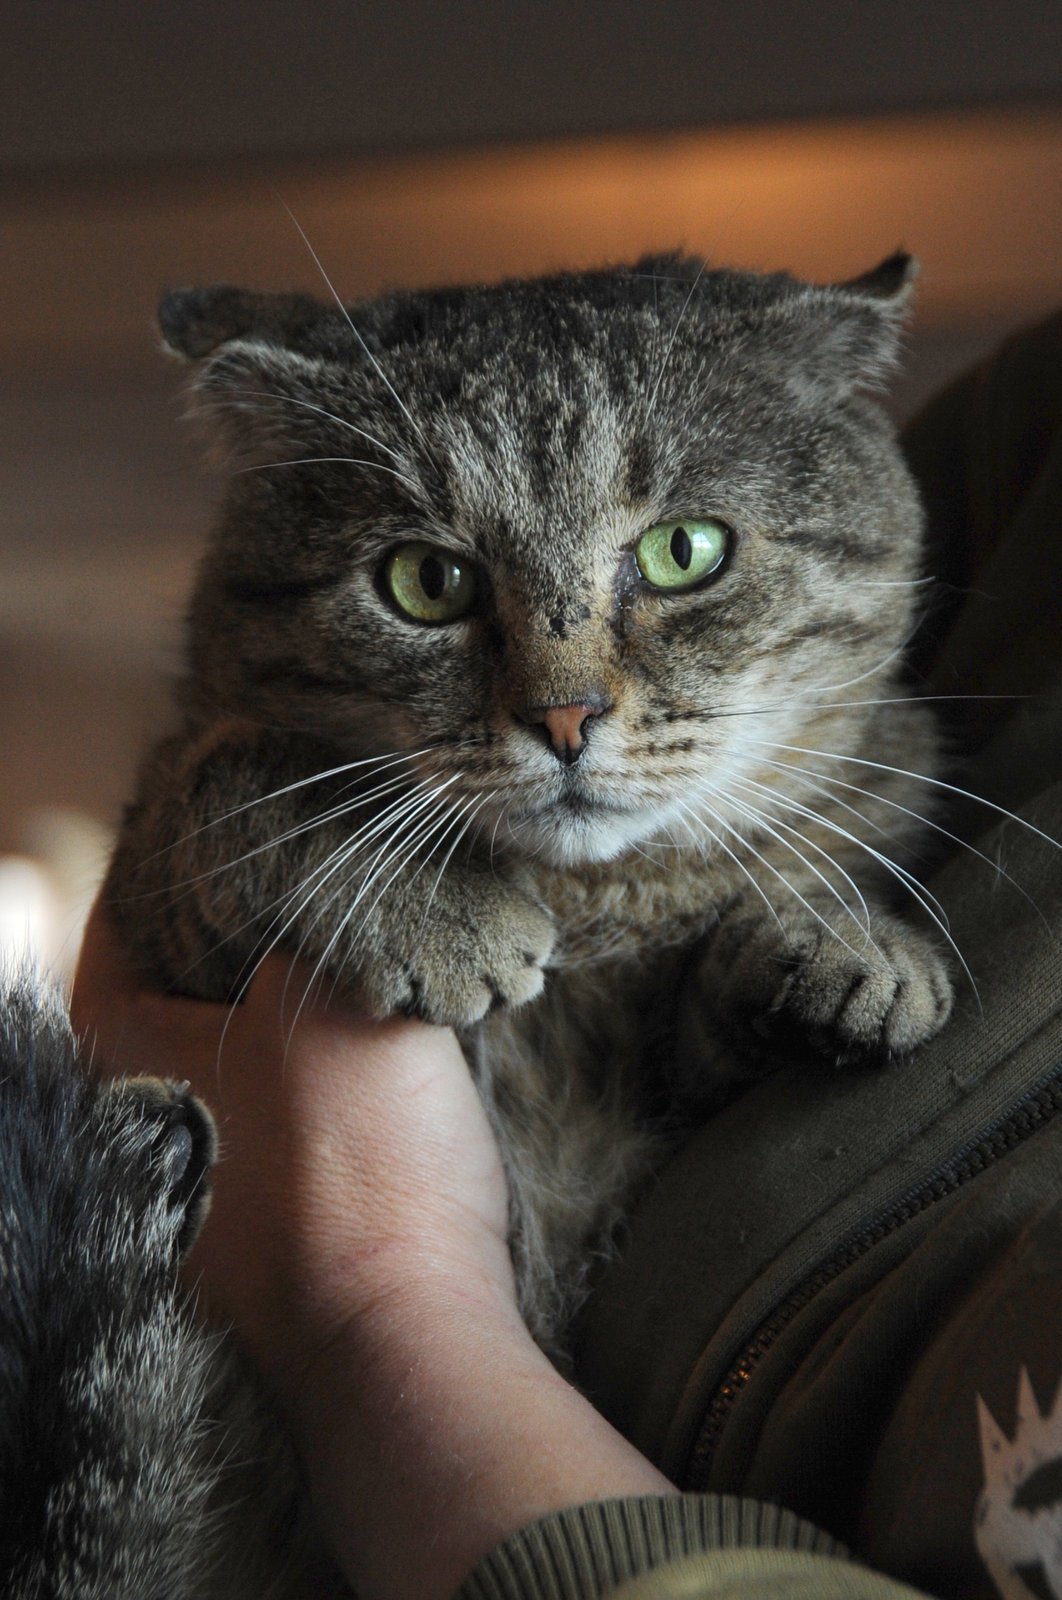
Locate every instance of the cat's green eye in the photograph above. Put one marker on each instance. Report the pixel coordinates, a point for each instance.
(429, 583)
(679, 555)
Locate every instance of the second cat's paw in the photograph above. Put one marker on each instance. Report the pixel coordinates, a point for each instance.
(852, 998)
(482, 945)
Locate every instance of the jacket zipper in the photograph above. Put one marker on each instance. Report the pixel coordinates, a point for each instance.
(1032, 1111)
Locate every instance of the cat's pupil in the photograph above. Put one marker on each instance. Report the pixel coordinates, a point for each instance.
(432, 577)
(681, 549)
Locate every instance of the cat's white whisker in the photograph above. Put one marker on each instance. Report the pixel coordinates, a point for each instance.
(429, 826)
(911, 700)
(429, 804)
(321, 461)
(771, 795)
(918, 891)
(917, 816)
(376, 365)
(434, 813)
(765, 708)
(426, 798)
(807, 904)
(742, 866)
(188, 885)
(789, 803)
(746, 844)
(785, 838)
(494, 836)
(835, 800)
(871, 672)
(390, 758)
(322, 411)
(341, 809)
(472, 808)
(300, 897)
(674, 335)
(894, 583)
(918, 777)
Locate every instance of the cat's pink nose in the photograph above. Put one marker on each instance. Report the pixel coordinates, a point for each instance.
(566, 725)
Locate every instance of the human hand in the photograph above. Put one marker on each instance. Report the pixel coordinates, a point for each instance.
(357, 1239)
(357, 1166)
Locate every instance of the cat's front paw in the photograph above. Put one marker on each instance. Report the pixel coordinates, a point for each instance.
(849, 997)
(482, 945)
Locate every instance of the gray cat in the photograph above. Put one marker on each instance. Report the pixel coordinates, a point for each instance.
(136, 1460)
(545, 681)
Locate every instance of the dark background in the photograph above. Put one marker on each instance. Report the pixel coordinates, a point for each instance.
(115, 83)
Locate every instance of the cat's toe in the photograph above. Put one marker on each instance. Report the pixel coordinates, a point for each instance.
(184, 1137)
(461, 971)
(858, 997)
(510, 969)
(877, 1003)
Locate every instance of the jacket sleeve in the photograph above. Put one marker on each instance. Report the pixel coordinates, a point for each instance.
(679, 1547)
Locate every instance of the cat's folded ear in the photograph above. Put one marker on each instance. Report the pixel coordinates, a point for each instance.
(847, 335)
(196, 322)
(256, 368)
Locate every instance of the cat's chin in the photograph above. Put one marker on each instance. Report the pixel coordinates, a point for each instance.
(571, 839)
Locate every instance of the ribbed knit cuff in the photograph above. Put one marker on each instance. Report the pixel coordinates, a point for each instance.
(585, 1551)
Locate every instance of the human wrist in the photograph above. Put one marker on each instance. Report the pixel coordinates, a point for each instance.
(435, 1428)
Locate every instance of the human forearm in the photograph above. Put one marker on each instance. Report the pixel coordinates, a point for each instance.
(438, 1429)
(358, 1242)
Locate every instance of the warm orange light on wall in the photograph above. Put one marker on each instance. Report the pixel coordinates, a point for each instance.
(977, 197)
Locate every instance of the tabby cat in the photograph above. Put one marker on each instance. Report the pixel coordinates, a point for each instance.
(545, 681)
(136, 1460)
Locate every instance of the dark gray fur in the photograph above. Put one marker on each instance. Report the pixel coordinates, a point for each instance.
(600, 931)
(609, 959)
(136, 1463)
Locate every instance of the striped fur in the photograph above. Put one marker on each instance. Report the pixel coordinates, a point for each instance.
(712, 876)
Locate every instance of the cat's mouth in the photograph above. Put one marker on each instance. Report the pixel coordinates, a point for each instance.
(572, 803)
